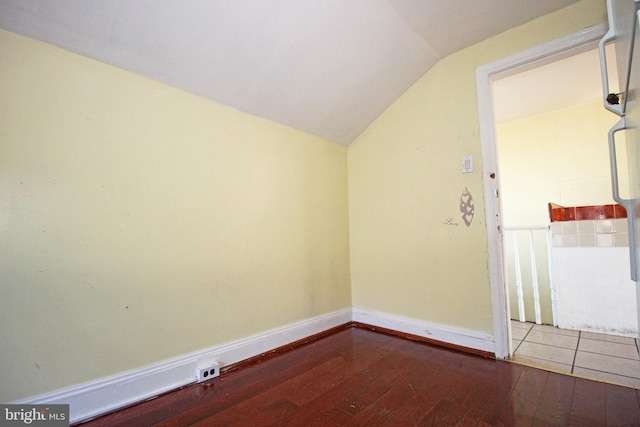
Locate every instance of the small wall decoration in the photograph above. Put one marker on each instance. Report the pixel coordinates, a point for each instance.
(466, 207)
(450, 221)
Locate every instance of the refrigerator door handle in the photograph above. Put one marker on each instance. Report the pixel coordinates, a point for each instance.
(613, 161)
(626, 203)
(608, 37)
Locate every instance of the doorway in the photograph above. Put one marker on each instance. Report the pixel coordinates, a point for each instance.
(502, 218)
(486, 75)
(551, 148)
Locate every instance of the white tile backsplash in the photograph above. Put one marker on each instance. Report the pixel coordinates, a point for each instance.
(621, 240)
(601, 233)
(588, 240)
(604, 240)
(586, 226)
(570, 240)
(604, 226)
(620, 225)
(569, 227)
(556, 240)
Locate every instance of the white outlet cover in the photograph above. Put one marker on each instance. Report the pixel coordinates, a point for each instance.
(207, 372)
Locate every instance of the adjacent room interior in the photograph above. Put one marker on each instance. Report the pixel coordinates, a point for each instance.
(572, 275)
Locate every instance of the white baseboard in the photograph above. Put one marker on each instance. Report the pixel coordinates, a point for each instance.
(109, 394)
(446, 334)
(105, 395)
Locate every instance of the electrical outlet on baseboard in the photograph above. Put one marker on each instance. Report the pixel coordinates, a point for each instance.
(207, 372)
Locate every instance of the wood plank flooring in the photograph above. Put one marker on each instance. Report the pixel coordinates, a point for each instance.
(357, 377)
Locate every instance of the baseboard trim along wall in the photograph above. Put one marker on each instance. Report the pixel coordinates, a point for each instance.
(462, 339)
(106, 395)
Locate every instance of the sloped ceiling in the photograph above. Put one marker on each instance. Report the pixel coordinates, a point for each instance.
(327, 67)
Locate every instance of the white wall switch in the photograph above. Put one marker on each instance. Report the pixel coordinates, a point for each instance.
(467, 164)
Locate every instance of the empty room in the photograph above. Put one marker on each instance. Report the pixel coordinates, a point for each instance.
(272, 213)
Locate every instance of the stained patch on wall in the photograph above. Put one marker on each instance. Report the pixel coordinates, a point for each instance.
(467, 207)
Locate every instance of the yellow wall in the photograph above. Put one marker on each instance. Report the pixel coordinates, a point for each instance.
(405, 182)
(560, 157)
(139, 223)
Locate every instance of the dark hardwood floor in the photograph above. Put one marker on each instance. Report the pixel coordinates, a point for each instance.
(358, 377)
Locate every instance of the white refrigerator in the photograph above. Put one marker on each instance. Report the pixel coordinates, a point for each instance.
(624, 31)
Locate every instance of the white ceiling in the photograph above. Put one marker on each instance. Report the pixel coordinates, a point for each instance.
(568, 82)
(327, 67)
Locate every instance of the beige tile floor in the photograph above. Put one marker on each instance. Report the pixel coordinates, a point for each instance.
(602, 357)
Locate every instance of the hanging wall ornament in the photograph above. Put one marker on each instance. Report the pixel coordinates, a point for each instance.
(466, 207)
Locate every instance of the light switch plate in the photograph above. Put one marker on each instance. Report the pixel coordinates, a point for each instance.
(467, 164)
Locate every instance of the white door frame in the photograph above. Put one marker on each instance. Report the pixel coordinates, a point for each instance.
(485, 75)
